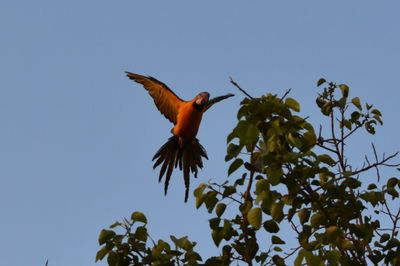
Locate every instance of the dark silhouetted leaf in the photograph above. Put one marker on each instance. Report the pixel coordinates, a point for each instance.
(321, 81)
(276, 240)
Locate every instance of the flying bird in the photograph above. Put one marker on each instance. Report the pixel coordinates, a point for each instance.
(183, 149)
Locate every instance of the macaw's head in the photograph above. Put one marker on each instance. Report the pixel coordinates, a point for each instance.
(202, 99)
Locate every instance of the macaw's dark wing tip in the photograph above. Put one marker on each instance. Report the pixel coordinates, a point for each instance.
(186, 195)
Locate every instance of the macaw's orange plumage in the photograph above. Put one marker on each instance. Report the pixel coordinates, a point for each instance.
(183, 148)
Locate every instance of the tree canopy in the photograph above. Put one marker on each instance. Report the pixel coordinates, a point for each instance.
(286, 174)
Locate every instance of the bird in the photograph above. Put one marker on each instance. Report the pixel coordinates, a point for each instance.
(183, 149)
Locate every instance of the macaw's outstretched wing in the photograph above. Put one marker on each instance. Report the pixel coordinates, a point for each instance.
(215, 100)
(165, 99)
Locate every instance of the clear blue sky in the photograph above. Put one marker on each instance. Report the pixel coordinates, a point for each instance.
(77, 136)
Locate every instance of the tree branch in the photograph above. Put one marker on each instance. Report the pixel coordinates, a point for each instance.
(242, 90)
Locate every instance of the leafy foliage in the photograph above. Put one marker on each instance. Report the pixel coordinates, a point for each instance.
(283, 174)
(131, 248)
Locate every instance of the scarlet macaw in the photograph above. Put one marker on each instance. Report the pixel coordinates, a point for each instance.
(183, 148)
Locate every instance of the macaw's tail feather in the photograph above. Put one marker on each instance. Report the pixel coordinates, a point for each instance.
(188, 158)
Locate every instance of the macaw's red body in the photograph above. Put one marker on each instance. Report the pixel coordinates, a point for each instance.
(183, 148)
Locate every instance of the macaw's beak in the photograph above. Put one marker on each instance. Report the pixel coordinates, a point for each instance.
(202, 98)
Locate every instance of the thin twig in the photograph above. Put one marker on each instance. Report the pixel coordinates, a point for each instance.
(376, 160)
(378, 164)
(242, 90)
(220, 193)
(326, 148)
(286, 93)
(291, 253)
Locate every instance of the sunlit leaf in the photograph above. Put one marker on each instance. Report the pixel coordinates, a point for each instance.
(277, 211)
(220, 209)
(102, 253)
(304, 215)
(357, 103)
(105, 235)
(254, 217)
(139, 217)
(345, 90)
(293, 104)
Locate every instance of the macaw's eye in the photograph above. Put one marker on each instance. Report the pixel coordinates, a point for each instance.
(202, 98)
(200, 101)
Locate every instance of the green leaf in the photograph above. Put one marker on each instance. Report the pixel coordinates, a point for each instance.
(139, 217)
(231, 136)
(326, 109)
(210, 200)
(141, 233)
(247, 132)
(228, 191)
(355, 116)
(199, 190)
(277, 211)
(292, 104)
(234, 166)
(352, 183)
(217, 236)
(200, 201)
(384, 238)
(233, 150)
(115, 224)
(261, 186)
(357, 103)
(332, 232)
(392, 182)
(320, 102)
(392, 191)
(373, 197)
(276, 240)
(220, 209)
(112, 259)
(304, 215)
(325, 158)
(316, 220)
(376, 112)
(105, 235)
(254, 217)
(346, 123)
(310, 137)
(372, 186)
(274, 174)
(278, 261)
(298, 261)
(182, 242)
(346, 244)
(369, 127)
(214, 223)
(320, 82)
(102, 253)
(345, 90)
